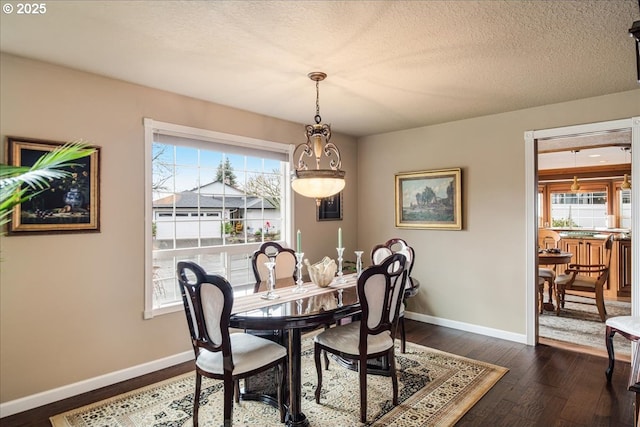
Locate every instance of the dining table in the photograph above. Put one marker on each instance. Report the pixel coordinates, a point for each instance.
(296, 312)
(554, 258)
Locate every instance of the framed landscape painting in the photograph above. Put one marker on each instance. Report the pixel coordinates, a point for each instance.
(429, 199)
(69, 205)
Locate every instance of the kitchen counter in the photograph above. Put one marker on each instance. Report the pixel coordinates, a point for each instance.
(619, 233)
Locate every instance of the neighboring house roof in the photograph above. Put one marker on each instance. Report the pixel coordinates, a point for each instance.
(217, 187)
(190, 199)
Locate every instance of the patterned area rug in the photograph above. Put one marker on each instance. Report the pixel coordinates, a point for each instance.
(579, 323)
(436, 389)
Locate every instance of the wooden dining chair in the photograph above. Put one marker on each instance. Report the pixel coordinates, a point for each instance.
(380, 288)
(586, 278)
(547, 239)
(219, 354)
(285, 259)
(378, 254)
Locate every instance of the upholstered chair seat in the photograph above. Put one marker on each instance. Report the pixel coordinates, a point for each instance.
(345, 339)
(249, 353)
(580, 280)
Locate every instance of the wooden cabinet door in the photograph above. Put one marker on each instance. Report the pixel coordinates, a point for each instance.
(593, 254)
(624, 268)
(573, 246)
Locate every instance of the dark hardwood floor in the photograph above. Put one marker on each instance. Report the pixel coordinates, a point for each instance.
(545, 386)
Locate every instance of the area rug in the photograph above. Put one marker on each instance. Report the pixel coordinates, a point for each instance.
(579, 323)
(435, 389)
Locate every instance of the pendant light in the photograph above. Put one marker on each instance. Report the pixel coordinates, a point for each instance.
(326, 179)
(626, 185)
(575, 186)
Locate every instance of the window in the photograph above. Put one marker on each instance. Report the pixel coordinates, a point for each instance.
(587, 208)
(541, 208)
(625, 208)
(213, 199)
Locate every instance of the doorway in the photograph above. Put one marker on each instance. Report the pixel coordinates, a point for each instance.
(564, 135)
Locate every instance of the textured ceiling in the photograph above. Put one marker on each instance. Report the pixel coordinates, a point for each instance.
(391, 64)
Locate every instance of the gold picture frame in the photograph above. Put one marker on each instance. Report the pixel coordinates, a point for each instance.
(429, 199)
(68, 205)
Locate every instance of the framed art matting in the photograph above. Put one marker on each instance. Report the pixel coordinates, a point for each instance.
(429, 199)
(69, 204)
(330, 208)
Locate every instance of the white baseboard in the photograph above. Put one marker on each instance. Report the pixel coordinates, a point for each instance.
(44, 398)
(467, 327)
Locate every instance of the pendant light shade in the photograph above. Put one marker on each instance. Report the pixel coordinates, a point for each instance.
(575, 186)
(626, 185)
(324, 178)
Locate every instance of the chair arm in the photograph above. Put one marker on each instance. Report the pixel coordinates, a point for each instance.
(586, 268)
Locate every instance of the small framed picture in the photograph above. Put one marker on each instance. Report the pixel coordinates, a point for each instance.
(330, 208)
(69, 205)
(429, 199)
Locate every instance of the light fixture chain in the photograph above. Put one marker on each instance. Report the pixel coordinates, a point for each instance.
(317, 117)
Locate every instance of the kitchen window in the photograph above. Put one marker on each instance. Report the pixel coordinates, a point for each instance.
(586, 208)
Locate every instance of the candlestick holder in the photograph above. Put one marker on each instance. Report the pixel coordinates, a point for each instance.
(358, 262)
(340, 252)
(272, 282)
(298, 288)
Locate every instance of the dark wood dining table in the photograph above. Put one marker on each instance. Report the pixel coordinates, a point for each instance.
(294, 313)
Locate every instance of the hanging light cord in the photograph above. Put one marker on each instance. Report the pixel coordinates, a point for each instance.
(317, 118)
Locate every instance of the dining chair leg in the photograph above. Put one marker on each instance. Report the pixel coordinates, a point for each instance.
(229, 386)
(403, 336)
(559, 298)
(541, 296)
(280, 385)
(362, 368)
(394, 376)
(316, 358)
(196, 399)
(609, 341)
(602, 310)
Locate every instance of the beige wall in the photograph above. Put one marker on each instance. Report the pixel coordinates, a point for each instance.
(71, 305)
(477, 275)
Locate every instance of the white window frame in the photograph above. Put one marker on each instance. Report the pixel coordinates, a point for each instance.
(153, 126)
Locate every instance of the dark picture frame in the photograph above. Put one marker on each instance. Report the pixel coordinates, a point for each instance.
(69, 205)
(330, 208)
(429, 199)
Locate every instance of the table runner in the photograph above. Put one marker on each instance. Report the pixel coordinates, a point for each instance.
(255, 301)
